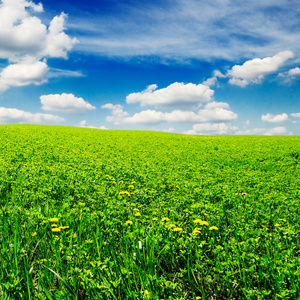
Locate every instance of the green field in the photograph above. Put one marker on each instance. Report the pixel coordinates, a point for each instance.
(101, 214)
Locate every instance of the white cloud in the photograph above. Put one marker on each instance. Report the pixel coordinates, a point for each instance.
(13, 115)
(274, 119)
(264, 131)
(277, 131)
(117, 113)
(23, 74)
(291, 74)
(26, 41)
(213, 80)
(212, 129)
(212, 112)
(67, 103)
(253, 71)
(184, 30)
(22, 34)
(296, 115)
(83, 124)
(177, 94)
(54, 73)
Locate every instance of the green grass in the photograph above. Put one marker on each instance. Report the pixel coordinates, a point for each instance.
(94, 181)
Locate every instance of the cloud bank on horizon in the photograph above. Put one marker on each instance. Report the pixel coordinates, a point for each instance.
(244, 46)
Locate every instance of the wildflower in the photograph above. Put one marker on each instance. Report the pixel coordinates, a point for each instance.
(133, 182)
(131, 186)
(172, 225)
(283, 220)
(165, 219)
(196, 230)
(177, 229)
(43, 260)
(128, 222)
(213, 228)
(244, 194)
(56, 230)
(53, 225)
(34, 234)
(198, 221)
(276, 225)
(146, 293)
(154, 219)
(136, 209)
(63, 227)
(53, 220)
(198, 298)
(137, 214)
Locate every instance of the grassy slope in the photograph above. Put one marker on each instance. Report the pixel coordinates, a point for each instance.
(96, 180)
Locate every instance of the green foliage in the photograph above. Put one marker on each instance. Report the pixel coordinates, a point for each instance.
(98, 214)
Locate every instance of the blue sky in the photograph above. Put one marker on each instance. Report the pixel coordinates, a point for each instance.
(193, 66)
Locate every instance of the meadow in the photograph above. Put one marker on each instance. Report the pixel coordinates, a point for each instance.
(101, 214)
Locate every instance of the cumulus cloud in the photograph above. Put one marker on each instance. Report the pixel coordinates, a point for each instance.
(275, 119)
(118, 114)
(264, 131)
(291, 74)
(277, 131)
(23, 34)
(213, 80)
(23, 74)
(177, 95)
(83, 123)
(13, 115)
(67, 103)
(296, 115)
(25, 41)
(212, 129)
(253, 71)
(212, 112)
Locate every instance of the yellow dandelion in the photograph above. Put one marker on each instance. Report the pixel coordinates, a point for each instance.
(137, 214)
(53, 220)
(133, 182)
(244, 194)
(205, 223)
(128, 222)
(283, 220)
(63, 227)
(177, 229)
(198, 221)
(54, 225)
(43, 260)
(172, 225)
(213, 228)
(154, 219)
(56, 229)
(121, 181)
(34, 234)
(197, 230)
(131, 186)
(147, 293)
(276, 225)
(165, 219)
(136, 209)
(198, 298)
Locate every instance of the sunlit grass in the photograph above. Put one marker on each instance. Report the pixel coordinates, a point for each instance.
(96, 214)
